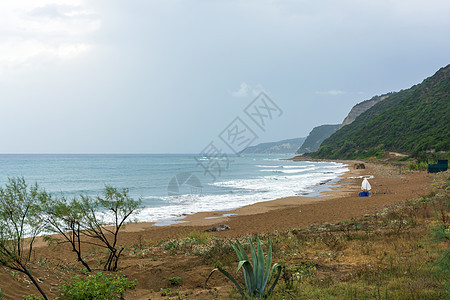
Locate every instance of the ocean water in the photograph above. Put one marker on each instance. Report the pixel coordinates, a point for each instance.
(173, 185)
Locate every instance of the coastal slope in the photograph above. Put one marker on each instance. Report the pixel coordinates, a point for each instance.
(285, 146)
(410, 121)
(316, 137)
(361, 107)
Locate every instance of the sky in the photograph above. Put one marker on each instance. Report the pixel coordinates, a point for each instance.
(142, 76)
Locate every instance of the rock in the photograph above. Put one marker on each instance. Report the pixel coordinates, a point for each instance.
(220, 227)
(359, 166)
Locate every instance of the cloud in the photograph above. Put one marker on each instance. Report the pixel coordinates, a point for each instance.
(245, 89)
(242, 91)
(20, 52)
(54, 10)
(33, 33)
(331, 92)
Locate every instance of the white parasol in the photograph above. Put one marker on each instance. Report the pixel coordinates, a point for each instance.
(365, 186)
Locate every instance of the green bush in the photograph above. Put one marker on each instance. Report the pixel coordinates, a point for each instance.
(98, 286)
(20, 223)
(32, 297)
(197, 237)
(418, 165)
(172, 246)
(175, 280)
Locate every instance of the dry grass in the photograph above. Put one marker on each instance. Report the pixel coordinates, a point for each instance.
(388, 255)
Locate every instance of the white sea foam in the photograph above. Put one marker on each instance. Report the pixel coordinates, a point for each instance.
(263, 166)
(244, 179)
(297, 167)
(241, 192)
(290, 171)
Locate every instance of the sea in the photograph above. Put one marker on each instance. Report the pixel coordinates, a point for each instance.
(172, 186)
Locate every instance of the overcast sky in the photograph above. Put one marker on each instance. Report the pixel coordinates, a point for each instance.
(169, 76)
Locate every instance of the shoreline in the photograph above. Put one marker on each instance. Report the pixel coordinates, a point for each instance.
(389, 187)
(318, 190)
(341, 187)
(341, 202)
(332, 189)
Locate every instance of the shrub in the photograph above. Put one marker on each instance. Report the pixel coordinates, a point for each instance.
(32, 297)
(197, 237)
(20, 223)
(98, 286)
(104, 217)
(175, 280)
(99, 218)
(65, 219)
(172, 246)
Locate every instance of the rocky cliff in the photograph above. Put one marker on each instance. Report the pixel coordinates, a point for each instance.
(362, 107)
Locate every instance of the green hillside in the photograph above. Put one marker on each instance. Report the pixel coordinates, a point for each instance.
(316, 137)
(410, 121)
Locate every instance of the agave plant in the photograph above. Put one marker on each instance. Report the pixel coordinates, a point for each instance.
(257, 274)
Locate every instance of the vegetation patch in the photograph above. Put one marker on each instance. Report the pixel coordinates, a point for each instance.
(411, 121)
(97, 286)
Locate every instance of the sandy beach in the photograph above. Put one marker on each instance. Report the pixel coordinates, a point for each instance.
(390, 185)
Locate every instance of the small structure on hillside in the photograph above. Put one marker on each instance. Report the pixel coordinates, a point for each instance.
(441, 166)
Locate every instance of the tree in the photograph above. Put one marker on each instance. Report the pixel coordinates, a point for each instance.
(103, 217)
(65, 218)
(95, 221)
(20, 223)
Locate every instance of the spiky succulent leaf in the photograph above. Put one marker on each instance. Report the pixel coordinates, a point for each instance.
(254, 261)
(242, 252)
(277, 276)
(228, 275)
(267, 271)
(248, 272)
(260, 268)
(250, 280)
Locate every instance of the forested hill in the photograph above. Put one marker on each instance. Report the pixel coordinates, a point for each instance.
(410, 121)
(316, 137)
(284, 146)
